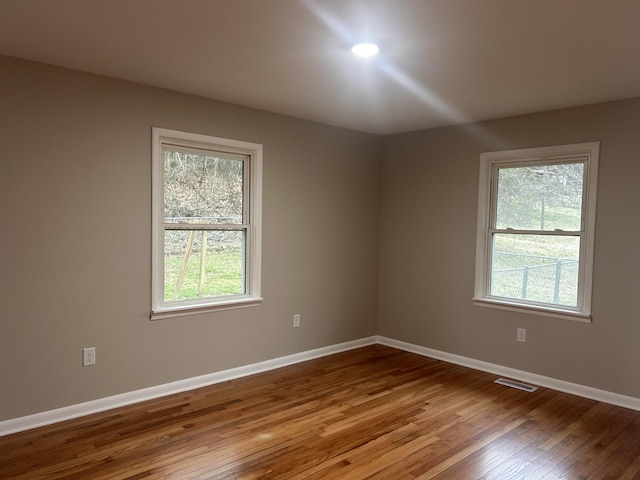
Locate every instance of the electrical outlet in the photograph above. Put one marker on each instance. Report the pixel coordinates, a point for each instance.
(521, 336)
(296, 320)
(88, 356)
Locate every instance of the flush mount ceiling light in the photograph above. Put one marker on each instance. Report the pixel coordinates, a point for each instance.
(365, 50)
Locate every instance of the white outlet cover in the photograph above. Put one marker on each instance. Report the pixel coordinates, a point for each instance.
(88, 356)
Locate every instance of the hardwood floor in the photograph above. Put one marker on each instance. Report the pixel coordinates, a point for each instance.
(373, 412)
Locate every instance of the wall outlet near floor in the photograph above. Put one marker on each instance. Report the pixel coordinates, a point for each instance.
(521, 335)
(88, 356)
(296, 320)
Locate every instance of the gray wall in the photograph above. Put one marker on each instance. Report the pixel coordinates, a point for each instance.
(427, 248)
(75, 179)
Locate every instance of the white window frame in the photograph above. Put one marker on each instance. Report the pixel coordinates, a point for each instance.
(253, 249)
(490, 162)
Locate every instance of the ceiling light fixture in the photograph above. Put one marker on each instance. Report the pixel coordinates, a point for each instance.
(365, 50)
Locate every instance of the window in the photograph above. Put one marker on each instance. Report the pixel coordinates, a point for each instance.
(534, 244)
(206, 223)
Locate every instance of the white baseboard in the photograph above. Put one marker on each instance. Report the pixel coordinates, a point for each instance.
(74, 411)
(560, 385)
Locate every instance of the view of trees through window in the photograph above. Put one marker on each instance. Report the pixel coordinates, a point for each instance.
(204, 238)
(536, 245)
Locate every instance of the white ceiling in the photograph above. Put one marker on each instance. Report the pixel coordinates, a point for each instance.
(442, 61)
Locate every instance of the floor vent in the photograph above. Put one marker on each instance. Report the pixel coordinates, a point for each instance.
(518, 385)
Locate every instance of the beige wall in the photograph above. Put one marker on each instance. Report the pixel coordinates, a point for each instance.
(75, 248)
(75, 245)
(427, 248)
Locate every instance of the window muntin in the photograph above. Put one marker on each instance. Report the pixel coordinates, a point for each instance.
(206, 223)
(536, 217)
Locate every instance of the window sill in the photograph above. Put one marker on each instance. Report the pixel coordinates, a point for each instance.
(531, 309)
(184, 310)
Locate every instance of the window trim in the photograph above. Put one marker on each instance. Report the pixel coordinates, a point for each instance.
(489, 163)
(253, 252)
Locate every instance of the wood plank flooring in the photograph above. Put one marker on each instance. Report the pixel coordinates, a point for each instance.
(370, 413)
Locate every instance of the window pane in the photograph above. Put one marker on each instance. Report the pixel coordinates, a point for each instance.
(193, 272)
(539, 268)
(541, 197)
(201, 188)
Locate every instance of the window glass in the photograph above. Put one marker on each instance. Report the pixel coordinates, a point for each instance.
(540, 197)
(203, 264)
(202, 188)
(538, 268)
